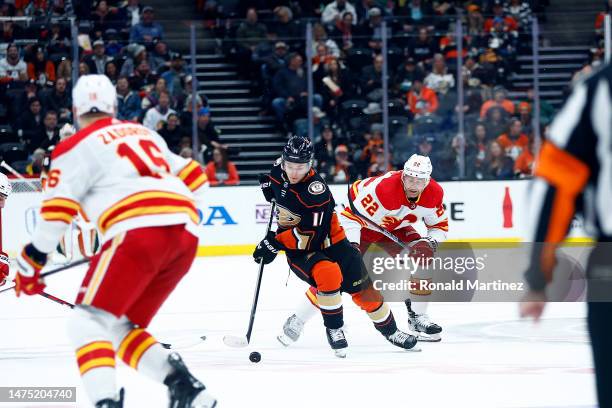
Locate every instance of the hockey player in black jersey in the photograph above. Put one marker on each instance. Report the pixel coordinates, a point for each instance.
(316, 247)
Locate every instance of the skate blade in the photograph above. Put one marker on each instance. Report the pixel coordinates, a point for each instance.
(415, 349)
(284, 340)
(340, 353)
(429, 338)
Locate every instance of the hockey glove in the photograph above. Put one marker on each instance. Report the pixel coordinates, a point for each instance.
(266, 187)
(267, 249)
(29, 263)
(424, 247)
(4, 268)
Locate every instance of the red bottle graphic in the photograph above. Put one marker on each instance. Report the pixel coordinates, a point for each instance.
(507, 209)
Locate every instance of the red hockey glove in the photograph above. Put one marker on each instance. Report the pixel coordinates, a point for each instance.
(424, 247)
(29, 263)
(4, 268)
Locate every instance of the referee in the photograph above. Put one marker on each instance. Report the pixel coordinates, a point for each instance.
(574, 169)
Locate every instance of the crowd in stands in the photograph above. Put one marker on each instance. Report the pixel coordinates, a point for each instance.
(269, 45)
(120, 39)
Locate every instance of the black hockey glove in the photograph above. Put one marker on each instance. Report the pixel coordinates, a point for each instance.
(267, 249)
(266, 187)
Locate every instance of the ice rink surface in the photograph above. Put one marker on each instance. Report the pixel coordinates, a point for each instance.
(487, 358)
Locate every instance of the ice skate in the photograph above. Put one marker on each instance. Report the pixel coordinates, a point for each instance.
(403, 340)
(292, 329)
(422, 326)
(337, 341)
(186, 391)
(111, 403)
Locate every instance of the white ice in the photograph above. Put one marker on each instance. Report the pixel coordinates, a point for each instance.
(487, 358)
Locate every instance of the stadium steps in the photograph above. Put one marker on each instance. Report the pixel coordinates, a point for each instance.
(235, 109)
(556, 64)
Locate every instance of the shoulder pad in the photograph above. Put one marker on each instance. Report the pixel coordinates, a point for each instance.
(432, 195)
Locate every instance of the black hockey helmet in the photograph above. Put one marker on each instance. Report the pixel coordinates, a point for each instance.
(299, 149)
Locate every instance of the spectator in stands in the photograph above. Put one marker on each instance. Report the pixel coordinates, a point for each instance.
(12, 67)
(152, 98)
(160, 57)
(41, 69)
(250, 33)
(404, 76)
(370, 30)
(343, 171)
(371, 80)
(220, 171)
(498, 165)
(83, 69)
(285, 29)
(50, 134)
(415, 13)
(185, 103)
(136, 54)
(103, 18)
(479, 142)
(59, 100)
(64, 70)
(524, 111)
(208, 134)
(143, 76)
(334, 83)
(186, 152)
(30, 123)
(128, 101)
(112, 72)
(9, 32)
(275, 61)
(423, 48)
(523, 166)
(18, 102)
(496, 122)
(159, 113)
(289, 87)
(374, 144)
(113, 47)
(36, 165)
(439, 80)
(509, 23)
(175, 75)
(147, 29)
(520, 11)
(172, 132)
(378, 167)
(344, 30)
(514, 142)
(334, 12)
(475, 24)
(546, 109)
(319, 36)
(324, 151)
(421, 100)
(98, 60)
(132, 12)
(58, 41)
(499, 100)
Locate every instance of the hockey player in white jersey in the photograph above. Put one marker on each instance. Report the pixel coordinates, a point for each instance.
(394, 202)
(142, 199)
(5, 191)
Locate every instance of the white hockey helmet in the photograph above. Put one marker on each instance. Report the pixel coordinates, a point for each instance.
(418, 166)
(94, 94)
(5, 186)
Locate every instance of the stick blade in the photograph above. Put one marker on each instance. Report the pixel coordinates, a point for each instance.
(235, 341)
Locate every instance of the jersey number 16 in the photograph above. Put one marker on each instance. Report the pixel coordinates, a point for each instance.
(148, 149)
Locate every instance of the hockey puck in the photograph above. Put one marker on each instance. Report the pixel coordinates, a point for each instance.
(255, 357)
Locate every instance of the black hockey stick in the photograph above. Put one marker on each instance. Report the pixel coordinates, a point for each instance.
(54, 271)
(235, 341)
(56, 299)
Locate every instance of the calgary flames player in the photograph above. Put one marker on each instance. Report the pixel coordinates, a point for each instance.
(5, 191)
(317, 249)
(142, 199)
(393, 201)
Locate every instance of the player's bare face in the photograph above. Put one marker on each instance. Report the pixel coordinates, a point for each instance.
(413, 186)
(296, 171)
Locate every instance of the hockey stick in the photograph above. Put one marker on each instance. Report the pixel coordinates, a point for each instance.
(56, 299)
(235, 341)
(54, 271)
(183, 344)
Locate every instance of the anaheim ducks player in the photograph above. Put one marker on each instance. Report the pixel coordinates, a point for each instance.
(316, 246)
(5, 191)
(142, 199)
(394, 201)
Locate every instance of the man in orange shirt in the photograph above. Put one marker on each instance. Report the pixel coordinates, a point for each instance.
(514, 142)
(499, 99)
(422, 100)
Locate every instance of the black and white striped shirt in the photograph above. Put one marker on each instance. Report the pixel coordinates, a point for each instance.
(573, 173)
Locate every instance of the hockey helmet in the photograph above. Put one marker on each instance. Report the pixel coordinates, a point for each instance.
(94, 94)
(299, 149)
(418, 166)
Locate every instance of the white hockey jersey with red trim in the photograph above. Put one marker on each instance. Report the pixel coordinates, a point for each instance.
(122, 176)
(382, 200)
